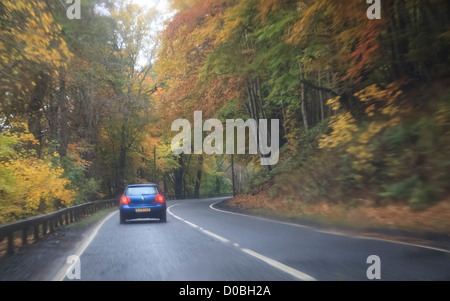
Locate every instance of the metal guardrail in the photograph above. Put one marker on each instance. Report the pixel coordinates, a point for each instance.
(40, 225)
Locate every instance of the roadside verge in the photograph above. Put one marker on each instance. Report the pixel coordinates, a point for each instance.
(427, 239)
(41, 260)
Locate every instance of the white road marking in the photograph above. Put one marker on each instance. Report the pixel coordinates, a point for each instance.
(276, 264)
(62, 273)
(258, 217)
(402, 243)
(287, 269)
(215, 236)
(191, 224)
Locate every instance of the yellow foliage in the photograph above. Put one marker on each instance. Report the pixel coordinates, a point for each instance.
(381, 101)
(36, 39)
(293, 130)
(344, 127)
(39, 187)
(334, 103)
(30, 185)
(383, 111)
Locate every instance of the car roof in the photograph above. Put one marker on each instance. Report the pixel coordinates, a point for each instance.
(137, 185)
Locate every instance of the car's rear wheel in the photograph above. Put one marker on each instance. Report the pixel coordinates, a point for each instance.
(123, 220)
(163, 218)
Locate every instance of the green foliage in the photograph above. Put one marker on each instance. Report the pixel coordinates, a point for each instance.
(419, 194)
(87, 188)
(413, 156)
(402, 189)
(216, 183)
(408, 161)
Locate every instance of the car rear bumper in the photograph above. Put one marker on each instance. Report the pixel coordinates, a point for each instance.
(129, 212)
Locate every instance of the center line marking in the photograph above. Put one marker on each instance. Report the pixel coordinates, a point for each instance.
(287, 269)
(223, 239)
(276, 264)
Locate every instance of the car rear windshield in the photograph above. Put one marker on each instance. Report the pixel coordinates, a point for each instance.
(141, 190)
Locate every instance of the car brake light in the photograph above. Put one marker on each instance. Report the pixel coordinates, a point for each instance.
(159, 198)
(125, 200)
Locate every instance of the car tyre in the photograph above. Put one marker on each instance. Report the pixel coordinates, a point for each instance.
(163, 218)
(123, 220)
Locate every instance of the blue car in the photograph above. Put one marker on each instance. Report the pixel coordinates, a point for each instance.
(142, 201)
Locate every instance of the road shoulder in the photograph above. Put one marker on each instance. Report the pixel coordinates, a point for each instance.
(40, 261)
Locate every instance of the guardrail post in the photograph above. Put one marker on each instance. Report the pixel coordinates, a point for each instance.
(44, 227)
(24, 237)
(36, 232)
(10, 244)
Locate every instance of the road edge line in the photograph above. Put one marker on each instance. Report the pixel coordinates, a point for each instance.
(61, 275)
(328, 232)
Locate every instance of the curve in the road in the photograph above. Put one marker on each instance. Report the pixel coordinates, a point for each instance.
(212, 206)
(224, 245)
(287, 269)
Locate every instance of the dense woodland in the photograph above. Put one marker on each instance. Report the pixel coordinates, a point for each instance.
(87, 105)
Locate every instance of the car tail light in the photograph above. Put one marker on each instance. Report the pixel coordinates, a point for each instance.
(159, 198)
(125, 200)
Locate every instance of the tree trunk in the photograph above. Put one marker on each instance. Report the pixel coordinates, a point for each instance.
(178, 179)
(255, 108)
(199, 177)
(62, 116)
(52, 118)
(303, 99)
(35, 112)
(322, 113)
(120, 179)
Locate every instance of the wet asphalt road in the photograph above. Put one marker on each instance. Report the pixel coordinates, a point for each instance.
(200, 243)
